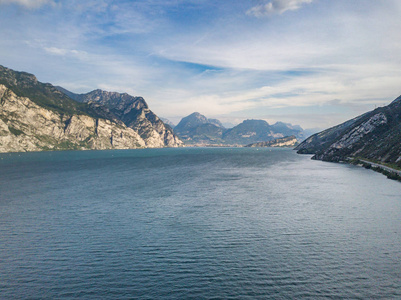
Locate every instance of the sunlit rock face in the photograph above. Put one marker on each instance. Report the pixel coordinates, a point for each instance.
(26, 126)
(374, 135)
(134, 113)
(37, 116)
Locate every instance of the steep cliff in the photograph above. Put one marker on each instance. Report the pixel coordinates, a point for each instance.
(27, 126)
(375, 135)
(133, 112)
(37, 116)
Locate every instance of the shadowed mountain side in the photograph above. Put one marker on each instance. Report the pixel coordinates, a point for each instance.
(375, 135)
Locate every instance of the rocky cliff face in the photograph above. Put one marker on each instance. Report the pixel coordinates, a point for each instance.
(288, 141)
(374, 135)
(37, 116)
(26, 126)
(133, 112)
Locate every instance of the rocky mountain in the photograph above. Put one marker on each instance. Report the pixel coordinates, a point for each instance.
(253, 131)
(249, 131)
(133, 112)
(43, 94)
(288, 141)
(198, 129)
(27, 126)
(373, 136)
(36, 116)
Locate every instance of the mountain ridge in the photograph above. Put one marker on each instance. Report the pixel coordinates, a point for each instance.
(134, 112)
(36, 116)
(374, 135)
(198, 129)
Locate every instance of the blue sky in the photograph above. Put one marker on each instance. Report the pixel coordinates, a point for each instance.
(315, 63)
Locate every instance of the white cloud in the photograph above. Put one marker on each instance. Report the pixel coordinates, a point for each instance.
(259, 68)
(276, 7)
(31, 4)
(65, 52)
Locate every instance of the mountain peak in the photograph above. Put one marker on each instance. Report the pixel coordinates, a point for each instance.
(191, 121)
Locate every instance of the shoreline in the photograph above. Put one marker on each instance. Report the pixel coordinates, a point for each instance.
(391, 173)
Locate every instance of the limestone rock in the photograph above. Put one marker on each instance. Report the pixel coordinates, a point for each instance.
(26, 126)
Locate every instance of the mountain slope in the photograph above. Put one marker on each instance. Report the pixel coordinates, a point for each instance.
(249, 131)
(27, 126)
(133, 112)
(375, 135)
(253, 131)
(37, 116)
(43, 94)
(196, 128)
(288, 141)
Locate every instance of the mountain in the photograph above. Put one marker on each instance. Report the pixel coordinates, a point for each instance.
(37, 116)
(287, 129)
(133, 112)
(27, 126)
(44, 95)
(216, 122)
(288, 141)
(374, 135)
(253, 131)
(197, 129)
(249, 131)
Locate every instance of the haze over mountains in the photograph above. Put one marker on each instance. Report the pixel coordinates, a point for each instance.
(198, 129)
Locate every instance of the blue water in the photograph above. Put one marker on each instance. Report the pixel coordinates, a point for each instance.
(223, 223)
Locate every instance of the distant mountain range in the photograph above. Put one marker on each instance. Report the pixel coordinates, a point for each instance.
(37, 116)
(198, 129)
(374, 136)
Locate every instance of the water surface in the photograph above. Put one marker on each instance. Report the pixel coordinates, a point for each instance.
(221, 223)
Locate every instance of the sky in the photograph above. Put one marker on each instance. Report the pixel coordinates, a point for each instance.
(315, 63)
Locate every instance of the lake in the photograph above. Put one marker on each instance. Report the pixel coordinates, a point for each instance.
(201, 223)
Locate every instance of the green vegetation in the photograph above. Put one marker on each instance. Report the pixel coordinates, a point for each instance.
(358, 160)
(389, 174)
(43, 94)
